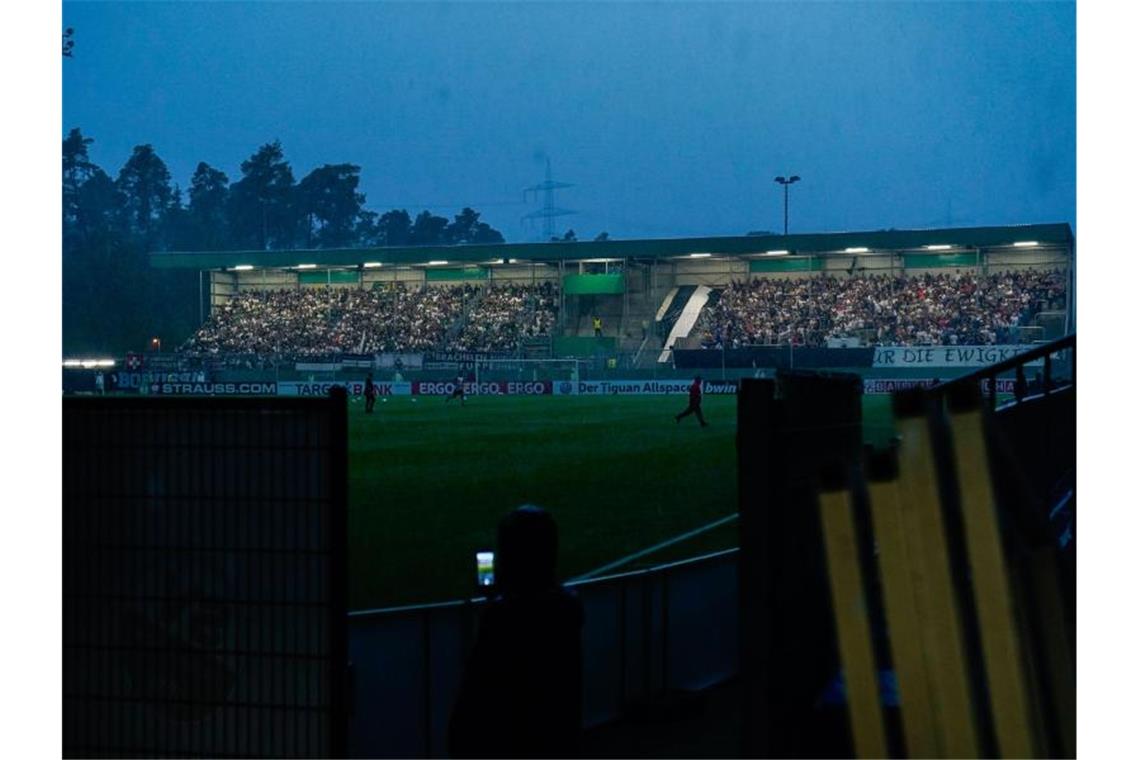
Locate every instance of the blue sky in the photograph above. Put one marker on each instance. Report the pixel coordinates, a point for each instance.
(670, 119)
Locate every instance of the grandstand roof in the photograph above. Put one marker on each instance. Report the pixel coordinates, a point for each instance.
(742, 245)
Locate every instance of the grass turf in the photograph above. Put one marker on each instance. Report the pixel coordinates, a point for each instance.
(429, 480)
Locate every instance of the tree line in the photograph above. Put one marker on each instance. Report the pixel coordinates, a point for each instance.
(113, 301)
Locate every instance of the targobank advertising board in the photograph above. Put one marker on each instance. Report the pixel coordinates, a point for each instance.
(354, 388)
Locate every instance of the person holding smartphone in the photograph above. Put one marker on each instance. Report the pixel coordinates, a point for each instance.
(521, 693)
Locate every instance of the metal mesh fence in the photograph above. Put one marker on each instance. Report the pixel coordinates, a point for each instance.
(204, 579)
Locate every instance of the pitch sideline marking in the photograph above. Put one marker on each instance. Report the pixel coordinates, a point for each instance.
(657, 547)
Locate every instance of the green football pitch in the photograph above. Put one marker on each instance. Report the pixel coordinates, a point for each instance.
(429, 480)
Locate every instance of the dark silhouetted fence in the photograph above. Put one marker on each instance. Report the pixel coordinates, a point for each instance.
(204, 582)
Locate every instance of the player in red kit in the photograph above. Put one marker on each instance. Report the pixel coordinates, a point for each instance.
(694, 406)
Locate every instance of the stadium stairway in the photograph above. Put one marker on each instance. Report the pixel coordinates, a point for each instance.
(670, 309)
(460, 322)
(580, 321)
(686, 315)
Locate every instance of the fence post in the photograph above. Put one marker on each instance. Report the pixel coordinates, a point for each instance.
(665, 630)
(427, 681)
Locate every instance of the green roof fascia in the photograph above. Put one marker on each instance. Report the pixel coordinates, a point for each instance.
(739, 245)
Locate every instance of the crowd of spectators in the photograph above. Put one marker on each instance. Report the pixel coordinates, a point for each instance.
(319, 322)
(507, 315)
(943, 309)
(330, 321)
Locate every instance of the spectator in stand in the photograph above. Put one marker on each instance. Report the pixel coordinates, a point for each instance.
(328, 322)
(944, 309)
(507, 315)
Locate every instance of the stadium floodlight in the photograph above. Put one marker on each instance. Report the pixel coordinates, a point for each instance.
(87, 363)
(699, 255)
(513, 261)
(242, 268)
(856, 249)
(306, 266)
(105, 363)
(938, 247)
(71, 362)
(436, 263)
(1025, 244)
(371, 264)
(599, 261)
(776, 253)
(786, 181)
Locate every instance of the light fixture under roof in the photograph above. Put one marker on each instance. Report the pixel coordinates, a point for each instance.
(780, 252)
(856, 249)
(306, 266)
(436, 263)
(372, 264)
(243, 267)
(699, 255)
(938, 247)
(1025, 244)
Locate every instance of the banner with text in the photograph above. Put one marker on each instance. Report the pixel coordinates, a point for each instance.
(213, 389)
(354, 388)
(948, 356)
(643, 387)
(491, 388)
(878, 385)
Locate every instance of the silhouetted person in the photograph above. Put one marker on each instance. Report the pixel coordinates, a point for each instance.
(694, 406)
(458, 393)
(369, 394)
(521, 694)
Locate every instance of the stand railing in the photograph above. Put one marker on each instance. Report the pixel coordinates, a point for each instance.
(1063, 350)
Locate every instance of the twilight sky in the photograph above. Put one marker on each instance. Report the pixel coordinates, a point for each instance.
(670, 119)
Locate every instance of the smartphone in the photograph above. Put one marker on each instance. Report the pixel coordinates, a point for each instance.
(485, 569)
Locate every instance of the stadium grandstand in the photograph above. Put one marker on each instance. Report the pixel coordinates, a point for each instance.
(892, 305)
(657, 300)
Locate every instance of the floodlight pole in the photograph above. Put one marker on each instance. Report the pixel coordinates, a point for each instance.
(785, 181)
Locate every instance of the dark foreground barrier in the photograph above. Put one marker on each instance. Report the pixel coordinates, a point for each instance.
(204, 588)
(912, 601)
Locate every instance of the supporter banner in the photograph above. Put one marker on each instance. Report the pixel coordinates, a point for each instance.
(947, 356)
(779, 357)
(354, 388)
(878, 385)
(643, 387)
(213, 389)
(136, 380)
(318, 366)
(163, 362)
(454, 359)
(401, 361)
(492, 388)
